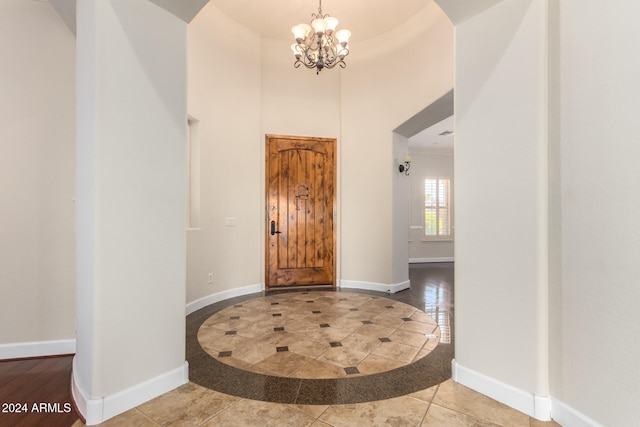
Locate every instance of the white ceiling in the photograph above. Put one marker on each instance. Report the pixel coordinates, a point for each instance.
(430, 140)
(364, 18)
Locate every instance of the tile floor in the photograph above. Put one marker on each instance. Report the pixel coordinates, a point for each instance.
(319, 335)
(447, 404)
(417, 393)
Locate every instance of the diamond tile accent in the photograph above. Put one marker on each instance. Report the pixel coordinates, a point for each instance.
(277, 315)
(281, 349)
(335, 344)
(225, 354)
(230, 332)
(325, 325)
(367, 322)
(407, 319)
(279, 329)
(234, 318)
(353, 309)
(384, 339)
(316, 312)
(275, 303)
(351, 370)
(237, 306)
(388, 306)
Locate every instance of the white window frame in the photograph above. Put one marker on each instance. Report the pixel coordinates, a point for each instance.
(440, 209)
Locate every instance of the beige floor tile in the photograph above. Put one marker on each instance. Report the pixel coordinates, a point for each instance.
(312, 410)
(361, 342)
(421, 327)
(396, 351)
(414, 339)
(346, 324)
(188, 405)
(283, 363)
(375, 331)
(319, 369)
(329, 335)
(462, 399)
(536, 423)
(425, 395)
(400, 411)
(386, 319)
(249, 413)
(373, 364)
(438, 416)
(131, 418)
(311, 349)
(342, 357)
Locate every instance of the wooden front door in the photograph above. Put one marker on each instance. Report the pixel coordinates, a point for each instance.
(300, 238)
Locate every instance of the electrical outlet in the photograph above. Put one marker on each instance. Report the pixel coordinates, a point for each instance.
(210, 278)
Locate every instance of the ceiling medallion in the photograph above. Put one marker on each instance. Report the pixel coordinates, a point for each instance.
(319, 45)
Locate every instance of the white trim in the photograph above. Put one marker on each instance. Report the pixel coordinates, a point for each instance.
(95, 411)
(535, 406)
(37, 349)
(565, 415)
(196, 305)
(436, 259)
(370, 286)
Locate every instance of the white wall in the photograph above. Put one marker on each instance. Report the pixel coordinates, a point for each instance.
(131, 204)
(224, 95)
(500, 173)
(37, 116)
(423, 166)
(600, 320)
(388, 81)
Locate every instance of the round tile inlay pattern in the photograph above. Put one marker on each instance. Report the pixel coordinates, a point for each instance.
(319, 335)
(232, 346)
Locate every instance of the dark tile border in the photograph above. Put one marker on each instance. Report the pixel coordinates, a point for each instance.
(208, 372)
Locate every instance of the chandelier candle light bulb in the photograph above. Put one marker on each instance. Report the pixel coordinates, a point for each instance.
(319, 45)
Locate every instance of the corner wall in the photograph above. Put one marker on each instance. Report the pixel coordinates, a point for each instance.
(600, 148)
(224, 84)
(37, 249)
(501, 203)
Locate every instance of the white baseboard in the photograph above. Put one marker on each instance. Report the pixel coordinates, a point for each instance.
(538, 407)
(37, 349)
(221, 296)
(427, 260)
(565, 415)
(370, 286)
(95, 411)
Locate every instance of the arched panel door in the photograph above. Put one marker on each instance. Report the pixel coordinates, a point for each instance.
(300, 238)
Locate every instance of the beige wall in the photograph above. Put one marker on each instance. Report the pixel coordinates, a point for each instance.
(390, 79)
(600, 238)
(500, 173)
(37, 116)
(224, 96)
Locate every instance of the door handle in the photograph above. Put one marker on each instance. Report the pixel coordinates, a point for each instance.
(273, 228)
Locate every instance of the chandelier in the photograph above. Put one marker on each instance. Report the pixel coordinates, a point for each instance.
(319, 45)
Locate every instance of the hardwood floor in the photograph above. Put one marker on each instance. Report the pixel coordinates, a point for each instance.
(36, 392)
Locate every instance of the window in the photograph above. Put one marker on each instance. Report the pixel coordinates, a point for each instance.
(437, 208)
(193, 172)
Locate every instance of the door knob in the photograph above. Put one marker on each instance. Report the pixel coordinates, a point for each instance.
(273, 228)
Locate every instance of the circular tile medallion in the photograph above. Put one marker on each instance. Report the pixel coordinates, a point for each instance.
(317, 335)
(207, 331)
